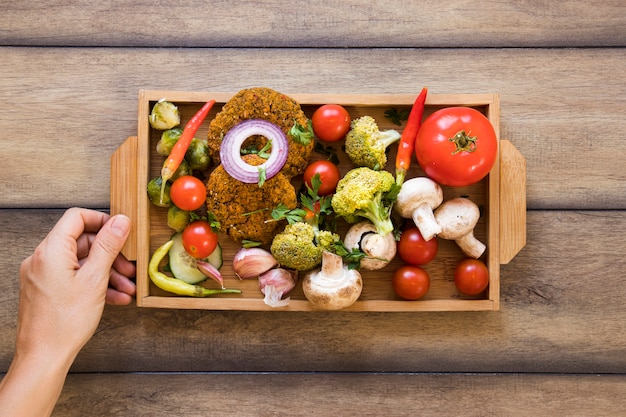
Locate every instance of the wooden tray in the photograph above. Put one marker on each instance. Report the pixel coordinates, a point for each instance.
(501, 196)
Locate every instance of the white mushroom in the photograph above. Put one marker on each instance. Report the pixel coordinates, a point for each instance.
(457, 218)
(334, 286)
(380, 250)
(417, 199)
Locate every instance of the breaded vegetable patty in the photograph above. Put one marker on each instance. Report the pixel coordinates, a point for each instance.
(267, 104)
(229, 199)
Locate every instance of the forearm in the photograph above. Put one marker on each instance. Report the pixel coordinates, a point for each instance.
(32, 385)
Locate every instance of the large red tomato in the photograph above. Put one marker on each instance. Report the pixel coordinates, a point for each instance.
(456, 146)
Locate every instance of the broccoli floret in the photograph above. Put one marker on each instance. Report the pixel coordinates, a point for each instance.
(300, 246)
(369, 194)
(366, 145)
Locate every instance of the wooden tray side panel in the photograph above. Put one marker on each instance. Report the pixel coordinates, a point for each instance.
(124, 190)
(512, 201)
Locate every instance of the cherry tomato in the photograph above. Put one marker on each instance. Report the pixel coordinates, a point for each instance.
(456, 146)
(414, 250)
(188, 193)
(410, 282)
(199, 240)
(471, 276)
(329, 176)
(331, 122)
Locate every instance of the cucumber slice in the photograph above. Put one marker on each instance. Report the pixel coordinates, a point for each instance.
(215, 258)
(183, 265)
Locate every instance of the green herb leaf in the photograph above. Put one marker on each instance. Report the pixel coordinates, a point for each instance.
(329, 151)
(397, 117)
(302, 134)
(250, 243)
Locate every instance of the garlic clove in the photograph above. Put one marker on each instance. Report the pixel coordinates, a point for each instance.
(210, 271)
(274, 298)
(252, 262)
(280, 279)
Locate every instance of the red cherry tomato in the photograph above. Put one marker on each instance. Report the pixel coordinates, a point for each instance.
(331, 122)
(456, 146)
(199, 240)
(471, 276)
(188, 193)
(414, 250)
(329, 176)
(410, 282)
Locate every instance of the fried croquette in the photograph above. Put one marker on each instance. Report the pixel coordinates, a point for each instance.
(263, 103)
(242, 209)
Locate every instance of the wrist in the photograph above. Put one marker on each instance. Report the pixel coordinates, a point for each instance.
(32, 384)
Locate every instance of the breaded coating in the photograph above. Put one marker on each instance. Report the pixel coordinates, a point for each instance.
(229, 199)
(263, 103)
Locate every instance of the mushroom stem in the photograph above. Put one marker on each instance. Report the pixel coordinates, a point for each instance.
(470, 245)
(424, 219)
(332, 265)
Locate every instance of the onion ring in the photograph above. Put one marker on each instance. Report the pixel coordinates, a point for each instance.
(230, 150)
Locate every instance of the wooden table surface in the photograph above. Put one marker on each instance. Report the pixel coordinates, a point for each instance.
(70, 73)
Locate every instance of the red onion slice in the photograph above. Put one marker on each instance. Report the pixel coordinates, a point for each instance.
(230, 150)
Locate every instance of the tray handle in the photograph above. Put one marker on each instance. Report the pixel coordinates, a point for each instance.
(123, 185)
(512, 201)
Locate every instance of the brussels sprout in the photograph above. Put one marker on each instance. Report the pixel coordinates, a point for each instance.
(154, 192)
(177, 218)
(198, 154)
(164, 115)
(183, 169)
(168, 140)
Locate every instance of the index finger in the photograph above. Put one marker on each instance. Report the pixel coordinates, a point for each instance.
(76, 221)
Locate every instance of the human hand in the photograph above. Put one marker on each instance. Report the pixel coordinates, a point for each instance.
(68, 279)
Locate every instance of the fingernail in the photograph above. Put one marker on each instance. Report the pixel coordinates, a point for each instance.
(120, 225)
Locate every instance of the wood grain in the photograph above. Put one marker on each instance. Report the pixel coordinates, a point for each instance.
(562, 109)
(70, 73)
(561, 312)
(329, 395)
(315, 24)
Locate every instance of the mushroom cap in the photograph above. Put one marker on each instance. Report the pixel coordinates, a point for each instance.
(379, 249)
(457, 217)
(335, 289)
(415, 192)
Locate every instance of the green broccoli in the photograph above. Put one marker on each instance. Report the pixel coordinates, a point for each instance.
(366, 145)
(369, 194)
(300, 246)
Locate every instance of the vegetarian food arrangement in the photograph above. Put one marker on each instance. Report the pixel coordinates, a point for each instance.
(267, 201)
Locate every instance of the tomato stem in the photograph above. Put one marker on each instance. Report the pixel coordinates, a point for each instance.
(463, 142)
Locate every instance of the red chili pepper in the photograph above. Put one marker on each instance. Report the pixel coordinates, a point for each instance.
(179, 149)
(409, 134)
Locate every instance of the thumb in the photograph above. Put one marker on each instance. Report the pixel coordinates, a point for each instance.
(108, 243)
